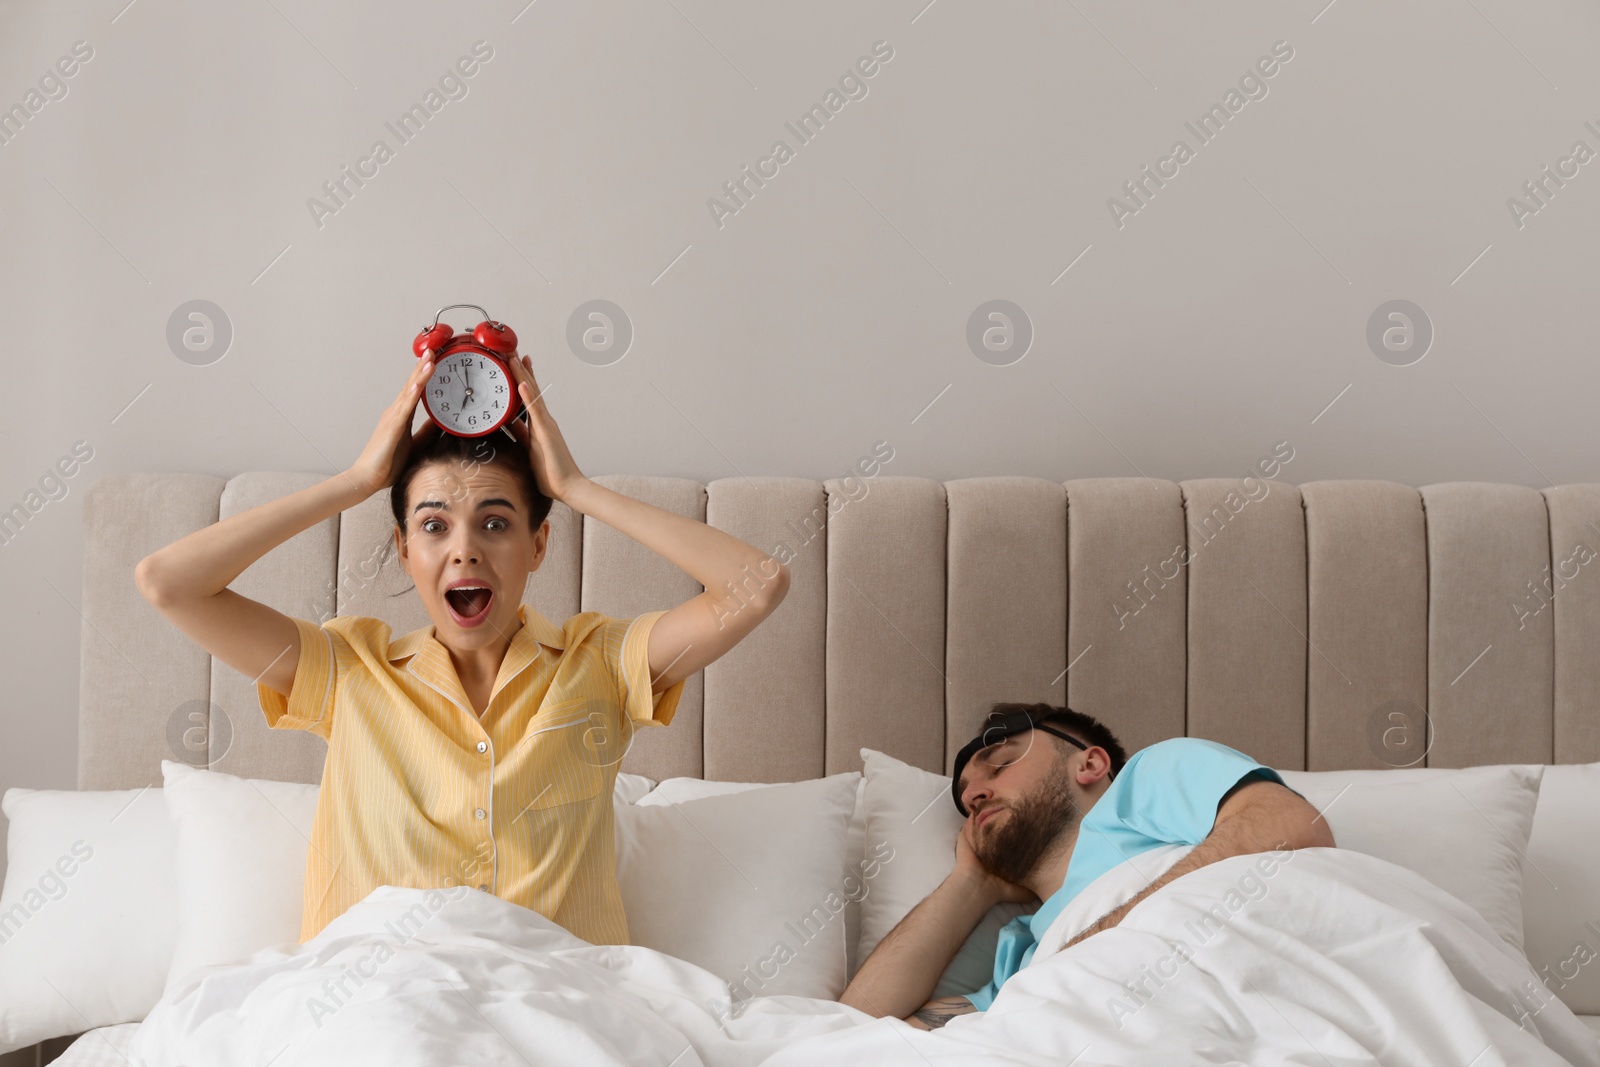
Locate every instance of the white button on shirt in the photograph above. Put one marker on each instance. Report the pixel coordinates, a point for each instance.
(479, 813)
(483, 746)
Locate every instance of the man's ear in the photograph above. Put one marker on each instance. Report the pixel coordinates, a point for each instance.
(1096, 767)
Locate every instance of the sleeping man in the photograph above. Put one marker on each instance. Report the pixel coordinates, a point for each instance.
(1051, 803)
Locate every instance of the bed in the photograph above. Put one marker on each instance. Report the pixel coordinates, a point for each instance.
(1302, 621)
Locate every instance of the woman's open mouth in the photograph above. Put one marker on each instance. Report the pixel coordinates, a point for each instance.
(469, 604)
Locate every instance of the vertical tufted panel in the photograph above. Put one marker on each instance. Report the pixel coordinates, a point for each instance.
(1006, 614)
(622, 578)
(1573, 594)
(1367, 663)
(137, 670)
(1126, 625)
(370, 580)
(764, 700)
(297, 578)
(1490, 680)
(886, 621)
(556, 589)
(899, 588)
(1247, 617)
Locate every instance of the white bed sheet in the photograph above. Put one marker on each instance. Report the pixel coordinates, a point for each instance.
(1358, 952)
(108, 1046)
(105, 1046)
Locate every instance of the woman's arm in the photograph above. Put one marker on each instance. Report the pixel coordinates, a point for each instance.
(207, 561)
(743, 585)
(187, 581)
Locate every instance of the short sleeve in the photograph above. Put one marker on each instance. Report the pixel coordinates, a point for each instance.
(1173, 788)
(629, 661)
(309, 705)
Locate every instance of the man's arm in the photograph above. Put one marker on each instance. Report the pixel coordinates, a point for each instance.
(937, 1012)
(1254, 816)
(901, 972)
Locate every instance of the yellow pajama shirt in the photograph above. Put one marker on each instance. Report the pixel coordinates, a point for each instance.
(418, 791)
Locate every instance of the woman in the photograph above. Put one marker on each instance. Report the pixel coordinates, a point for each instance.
(480, 751)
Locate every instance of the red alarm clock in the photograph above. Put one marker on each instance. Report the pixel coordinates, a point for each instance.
(471, 392)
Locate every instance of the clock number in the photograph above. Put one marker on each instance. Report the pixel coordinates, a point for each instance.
(473, 419)
(444, 378)
(499, 388)
(445, 406)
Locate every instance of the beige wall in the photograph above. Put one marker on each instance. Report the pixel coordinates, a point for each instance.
(1184, 338)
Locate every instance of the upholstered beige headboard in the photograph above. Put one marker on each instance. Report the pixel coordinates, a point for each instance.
(1309, 626)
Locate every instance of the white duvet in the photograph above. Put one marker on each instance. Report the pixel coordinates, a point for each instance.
(1316, 957)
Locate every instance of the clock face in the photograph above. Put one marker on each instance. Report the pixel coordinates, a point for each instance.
(468, 393)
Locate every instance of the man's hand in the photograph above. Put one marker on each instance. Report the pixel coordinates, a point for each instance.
(906, 965)
(940, 1010)
(996, 890)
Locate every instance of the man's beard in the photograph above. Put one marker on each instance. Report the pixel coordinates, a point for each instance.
(1013, 850)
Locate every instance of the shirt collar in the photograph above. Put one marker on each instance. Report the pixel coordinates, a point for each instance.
(430, 660)
(536, 629)
(1080, 872)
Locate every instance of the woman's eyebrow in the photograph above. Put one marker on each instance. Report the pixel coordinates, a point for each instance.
(443, 506)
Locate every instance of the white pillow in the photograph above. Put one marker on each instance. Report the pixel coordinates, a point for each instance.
(631, 788)
(746, 884)
(88, 915)
(1465, 830)
(241, 865)
(677, 790)
(1561, 886)
(859, 869)
(909, 814)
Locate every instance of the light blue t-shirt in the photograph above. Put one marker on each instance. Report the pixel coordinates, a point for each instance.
(1166, 794)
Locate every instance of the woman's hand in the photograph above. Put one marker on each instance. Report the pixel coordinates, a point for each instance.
(380, 462)
(553, 466)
